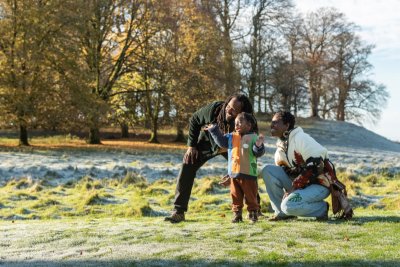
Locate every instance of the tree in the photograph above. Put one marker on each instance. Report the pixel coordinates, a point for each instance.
(126, 104)
(226, 13)
(108, 33)
(198, 63)
(268, 18)
(296, 93)
(351, 67)
(319, 31)
(31, 36)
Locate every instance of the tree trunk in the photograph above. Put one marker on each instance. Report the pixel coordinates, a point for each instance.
(314, 97)
(94, 136)
(124, 130)
(23, 136)
(229, 72)
(154, 132)
(166, 110)
(153, 138)
(314, 103)
(229, 67)
(340, 110)
(340, 114)
(180, 137)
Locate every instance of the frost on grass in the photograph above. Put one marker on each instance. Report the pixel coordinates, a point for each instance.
(62, 166)
(208, 240)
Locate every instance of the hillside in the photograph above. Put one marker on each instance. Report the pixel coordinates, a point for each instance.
(345, 134)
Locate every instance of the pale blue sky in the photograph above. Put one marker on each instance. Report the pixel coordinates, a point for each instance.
(380, 25)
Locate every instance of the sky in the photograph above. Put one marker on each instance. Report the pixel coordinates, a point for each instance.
(379, 22)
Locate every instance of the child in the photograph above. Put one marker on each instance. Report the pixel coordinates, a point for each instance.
(244, 146)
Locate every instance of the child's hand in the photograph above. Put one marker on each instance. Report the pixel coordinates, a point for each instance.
(225, 181)
(260, 140)
(207, 127)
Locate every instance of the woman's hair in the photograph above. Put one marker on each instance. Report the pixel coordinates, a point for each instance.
(246, 107)
(250, 119)
(287, 118)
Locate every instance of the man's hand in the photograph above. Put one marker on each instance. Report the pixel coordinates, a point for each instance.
(260, 140)
(191, 155)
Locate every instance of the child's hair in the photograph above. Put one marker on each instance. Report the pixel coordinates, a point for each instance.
(250, 119)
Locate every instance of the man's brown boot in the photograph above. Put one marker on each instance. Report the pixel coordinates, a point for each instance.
(175, 217)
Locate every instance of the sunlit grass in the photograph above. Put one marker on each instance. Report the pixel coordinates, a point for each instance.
(132, 196)
(121, 220)
(75, 143)
(51, 140)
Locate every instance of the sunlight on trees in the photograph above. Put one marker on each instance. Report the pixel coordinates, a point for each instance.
(81, 65)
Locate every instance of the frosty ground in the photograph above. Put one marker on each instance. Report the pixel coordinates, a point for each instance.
(84, 215)
(351, 148)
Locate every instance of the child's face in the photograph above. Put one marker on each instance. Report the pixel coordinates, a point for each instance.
(242, 126)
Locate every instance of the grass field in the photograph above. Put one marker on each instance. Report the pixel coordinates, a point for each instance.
(120, 221)
(371, 239)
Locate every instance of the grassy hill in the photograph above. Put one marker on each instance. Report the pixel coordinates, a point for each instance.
(340, 133)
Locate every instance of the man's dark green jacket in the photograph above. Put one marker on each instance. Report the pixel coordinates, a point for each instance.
(202, 117)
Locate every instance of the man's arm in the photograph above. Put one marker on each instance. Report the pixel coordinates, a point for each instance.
(200, 118)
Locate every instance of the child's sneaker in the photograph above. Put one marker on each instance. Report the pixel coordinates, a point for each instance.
(253, 216)
(260, 214)
(237, 217)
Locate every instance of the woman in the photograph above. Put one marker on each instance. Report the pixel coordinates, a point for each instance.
(299, 183)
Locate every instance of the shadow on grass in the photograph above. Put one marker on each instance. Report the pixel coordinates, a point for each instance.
(366, 219)
(161, 262)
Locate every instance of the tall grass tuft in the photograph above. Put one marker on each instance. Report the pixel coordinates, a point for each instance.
(208, 186)
(36, 188)
(23, 183)
(43, 203)
(87, 183)
(138, 206)
(132, 178)
(91, 199)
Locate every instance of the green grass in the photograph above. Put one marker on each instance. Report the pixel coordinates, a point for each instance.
(206, 240)
(13, 140)
(120, 223)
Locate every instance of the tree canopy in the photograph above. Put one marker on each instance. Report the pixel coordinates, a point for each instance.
(78, 64)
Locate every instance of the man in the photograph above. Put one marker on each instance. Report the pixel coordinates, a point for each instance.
(202, 147)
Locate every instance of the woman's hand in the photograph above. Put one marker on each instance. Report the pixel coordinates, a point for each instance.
(302, 179)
